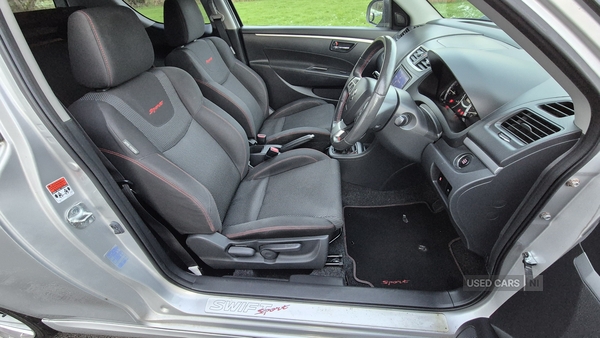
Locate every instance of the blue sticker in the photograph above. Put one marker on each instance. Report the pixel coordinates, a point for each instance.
(117, 257)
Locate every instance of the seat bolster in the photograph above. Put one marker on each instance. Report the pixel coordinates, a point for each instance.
(287, 161)
(173, 193)
(296, 107)
(254, 84)
(185, 86)
(186, 59)
(223, 128)
(223, 48)
(227, 132)
(280, 227)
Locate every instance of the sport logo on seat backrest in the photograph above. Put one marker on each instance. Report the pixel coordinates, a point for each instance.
(209, 60)
(155, 108)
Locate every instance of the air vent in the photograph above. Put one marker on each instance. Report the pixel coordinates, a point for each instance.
(529, 127)
(419, 59)
(402, 33)
(559, 109)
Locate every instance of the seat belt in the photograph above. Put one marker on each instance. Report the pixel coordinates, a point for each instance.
(172, 243)
(217, 18)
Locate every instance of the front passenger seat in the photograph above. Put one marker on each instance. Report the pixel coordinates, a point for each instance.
(188, 159)
(234, 86)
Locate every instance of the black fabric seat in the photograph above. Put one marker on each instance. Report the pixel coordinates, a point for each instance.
(234, 86)
(189, 159)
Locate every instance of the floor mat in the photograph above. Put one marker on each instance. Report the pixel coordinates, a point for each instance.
(403, 247)
(469, 263)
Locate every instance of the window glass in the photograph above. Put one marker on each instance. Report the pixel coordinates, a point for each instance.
(153, 9)
(30, 5)
(303, 12)
(456, 9)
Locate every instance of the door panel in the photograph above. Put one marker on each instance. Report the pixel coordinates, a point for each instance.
(305, 62)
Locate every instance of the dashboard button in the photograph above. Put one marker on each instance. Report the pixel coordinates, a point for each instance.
(464, 160)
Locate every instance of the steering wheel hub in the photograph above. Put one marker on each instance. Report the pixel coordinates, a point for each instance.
(357, 97)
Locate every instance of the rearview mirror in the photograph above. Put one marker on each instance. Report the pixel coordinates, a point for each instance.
(375, 12)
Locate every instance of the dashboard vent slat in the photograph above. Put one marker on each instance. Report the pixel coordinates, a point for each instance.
(402, 33)
(419, 59)
(529, 127)
(559, 109)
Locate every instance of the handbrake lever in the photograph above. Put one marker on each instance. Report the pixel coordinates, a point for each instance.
(297, 142)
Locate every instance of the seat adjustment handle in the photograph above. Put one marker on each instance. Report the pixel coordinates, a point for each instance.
(241, 251)
(283, 247)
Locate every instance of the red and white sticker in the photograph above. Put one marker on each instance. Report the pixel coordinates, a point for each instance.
(60, 189)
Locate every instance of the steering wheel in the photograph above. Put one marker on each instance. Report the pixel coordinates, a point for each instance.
(362, 96)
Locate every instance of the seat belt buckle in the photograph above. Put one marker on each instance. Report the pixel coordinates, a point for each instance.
(272, 152)
(261, 139)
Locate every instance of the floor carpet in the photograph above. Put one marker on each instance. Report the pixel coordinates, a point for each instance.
(403, 246)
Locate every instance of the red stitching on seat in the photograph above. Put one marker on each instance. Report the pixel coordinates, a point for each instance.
(155, 174)
(104, 58)
(283, 227)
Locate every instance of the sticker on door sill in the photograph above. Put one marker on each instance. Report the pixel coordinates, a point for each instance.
(60, 190)
(117, 257)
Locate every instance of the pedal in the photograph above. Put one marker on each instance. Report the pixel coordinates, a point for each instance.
(334, 260)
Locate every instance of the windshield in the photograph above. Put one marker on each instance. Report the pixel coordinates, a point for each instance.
(457, 9)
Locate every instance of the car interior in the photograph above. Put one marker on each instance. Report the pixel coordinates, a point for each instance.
(353, 160)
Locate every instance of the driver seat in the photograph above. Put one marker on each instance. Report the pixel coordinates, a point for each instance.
(189, 159)
(234, 86)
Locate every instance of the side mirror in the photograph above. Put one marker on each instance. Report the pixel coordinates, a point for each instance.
(375, 12)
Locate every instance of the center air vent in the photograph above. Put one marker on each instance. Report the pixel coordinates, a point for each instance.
(528, 127)
(419, 59)
(559, 109)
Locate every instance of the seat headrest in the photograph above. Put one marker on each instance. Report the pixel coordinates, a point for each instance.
(108, 46)
(184, 22)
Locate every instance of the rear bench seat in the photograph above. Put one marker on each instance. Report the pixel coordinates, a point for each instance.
(46, 34)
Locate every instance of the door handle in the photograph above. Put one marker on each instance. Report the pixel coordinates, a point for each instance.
(341, 47)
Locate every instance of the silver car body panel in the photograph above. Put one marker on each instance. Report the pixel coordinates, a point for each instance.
(78, 282)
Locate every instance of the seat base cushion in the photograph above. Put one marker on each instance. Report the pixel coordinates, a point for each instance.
(299, 118)
(297, 193)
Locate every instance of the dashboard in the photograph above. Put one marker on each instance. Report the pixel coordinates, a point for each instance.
(490, 119)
